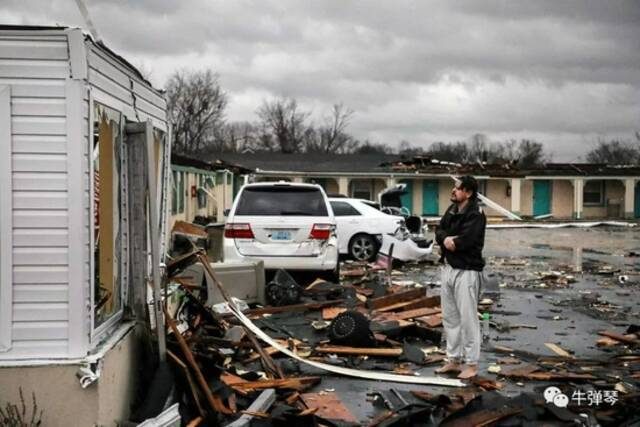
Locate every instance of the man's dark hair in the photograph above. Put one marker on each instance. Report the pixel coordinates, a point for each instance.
(469, 183)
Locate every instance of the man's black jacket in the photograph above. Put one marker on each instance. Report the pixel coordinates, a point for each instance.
(468, 226)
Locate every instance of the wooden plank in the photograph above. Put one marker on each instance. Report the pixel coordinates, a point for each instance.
(558, 350)
(260, 405)
(329, 406)
(330, 313)
(410, 314)
(214, 401)
(383, 352)
(269, 350)
(288, 308)
(619, 337)
(432, 321)
(292, 383)
(424, 302)
(387, 300)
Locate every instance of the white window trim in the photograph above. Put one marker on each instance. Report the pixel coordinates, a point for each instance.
(6, 225)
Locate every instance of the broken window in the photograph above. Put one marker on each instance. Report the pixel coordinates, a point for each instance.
(108, 173)
(594, 193)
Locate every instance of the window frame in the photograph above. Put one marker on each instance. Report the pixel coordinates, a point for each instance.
(98, 331)
(602, 189)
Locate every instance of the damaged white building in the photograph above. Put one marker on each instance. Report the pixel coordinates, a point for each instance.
(77, 122)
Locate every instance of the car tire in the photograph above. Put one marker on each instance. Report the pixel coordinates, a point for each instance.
(363, 247)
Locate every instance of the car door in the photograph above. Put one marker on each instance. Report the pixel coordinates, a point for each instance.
(348, 223)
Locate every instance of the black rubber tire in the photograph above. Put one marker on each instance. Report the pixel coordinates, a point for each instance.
(351, 328)
(363, 247)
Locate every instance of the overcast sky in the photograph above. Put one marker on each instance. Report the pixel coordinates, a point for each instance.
(565, 73)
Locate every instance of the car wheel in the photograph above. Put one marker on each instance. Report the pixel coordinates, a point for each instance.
(363, 247)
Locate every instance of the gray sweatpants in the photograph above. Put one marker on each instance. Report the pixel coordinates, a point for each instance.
(459, 300)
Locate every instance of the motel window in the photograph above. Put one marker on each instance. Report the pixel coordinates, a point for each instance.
(361, 189)
(108, 213)
(593, 193)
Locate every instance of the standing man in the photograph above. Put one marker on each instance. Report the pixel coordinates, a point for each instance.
(460, 236)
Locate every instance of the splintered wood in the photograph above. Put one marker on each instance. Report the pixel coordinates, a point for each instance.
(329, 406)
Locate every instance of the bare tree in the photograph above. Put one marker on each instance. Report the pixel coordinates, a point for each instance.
(285, 122)
(196, 104)
(615, 152)
(332, 136)
(408, 150)
(531, 153)
(368, 147)
(449, 152)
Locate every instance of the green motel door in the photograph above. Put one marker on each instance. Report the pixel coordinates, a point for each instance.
(430, 196)
(407, 199)
(541, 197)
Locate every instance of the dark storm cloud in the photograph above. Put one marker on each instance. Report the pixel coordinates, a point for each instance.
(412, 70)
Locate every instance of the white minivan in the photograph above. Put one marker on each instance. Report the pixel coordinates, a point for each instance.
(286, 225)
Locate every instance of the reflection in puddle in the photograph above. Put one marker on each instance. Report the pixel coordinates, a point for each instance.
(577, 259)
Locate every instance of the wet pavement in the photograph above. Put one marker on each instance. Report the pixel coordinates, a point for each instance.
(527, 264)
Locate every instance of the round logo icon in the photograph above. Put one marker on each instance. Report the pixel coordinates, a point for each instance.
(550, 393)
(561, 400)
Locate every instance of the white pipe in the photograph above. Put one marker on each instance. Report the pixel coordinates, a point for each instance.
(493, 205)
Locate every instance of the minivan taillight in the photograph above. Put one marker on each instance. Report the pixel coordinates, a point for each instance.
(238, 231)
(321, 231)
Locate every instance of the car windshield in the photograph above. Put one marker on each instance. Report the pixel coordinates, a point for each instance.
(277, 200)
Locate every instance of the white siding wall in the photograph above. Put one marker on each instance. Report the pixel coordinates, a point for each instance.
(52, 76)
(36, 67)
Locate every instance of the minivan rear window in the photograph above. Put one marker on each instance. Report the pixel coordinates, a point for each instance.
(281, 201)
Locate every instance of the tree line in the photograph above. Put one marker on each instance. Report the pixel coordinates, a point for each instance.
(197, 105)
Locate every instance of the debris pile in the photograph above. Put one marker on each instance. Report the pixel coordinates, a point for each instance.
(280, 363)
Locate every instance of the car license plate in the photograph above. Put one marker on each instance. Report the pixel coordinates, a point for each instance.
(281, 235)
